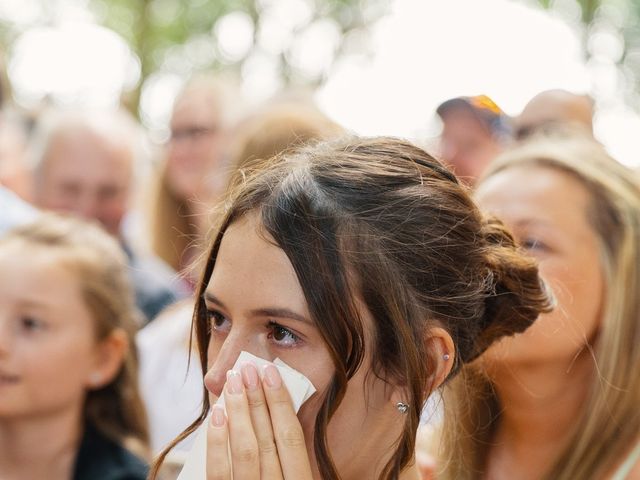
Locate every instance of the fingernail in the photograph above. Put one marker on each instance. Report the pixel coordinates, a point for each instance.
(250, 376)
(234, 382)
(217, 416)
(271, 376)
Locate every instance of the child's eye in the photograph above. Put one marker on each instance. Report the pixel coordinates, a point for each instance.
(31, 324)
(283, 336)
(218, 322)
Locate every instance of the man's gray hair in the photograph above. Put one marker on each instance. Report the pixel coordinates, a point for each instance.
(116, 126)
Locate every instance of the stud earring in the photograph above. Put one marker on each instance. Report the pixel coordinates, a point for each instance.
(95, 378)
(402, 407)
(446, 357)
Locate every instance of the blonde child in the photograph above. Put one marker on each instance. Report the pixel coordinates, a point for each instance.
(69, 402)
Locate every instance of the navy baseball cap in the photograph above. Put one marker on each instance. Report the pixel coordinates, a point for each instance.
(483, 108)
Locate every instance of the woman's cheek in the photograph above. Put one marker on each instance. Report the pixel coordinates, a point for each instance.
(307, 415)
(320, 378)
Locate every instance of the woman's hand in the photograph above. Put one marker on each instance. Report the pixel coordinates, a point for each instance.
(262, 437)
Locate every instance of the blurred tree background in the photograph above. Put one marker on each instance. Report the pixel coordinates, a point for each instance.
(296, 42)
(610, 32)
(180, 36)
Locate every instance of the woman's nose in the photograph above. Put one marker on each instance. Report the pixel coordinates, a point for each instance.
(225, 357)
(216, 376)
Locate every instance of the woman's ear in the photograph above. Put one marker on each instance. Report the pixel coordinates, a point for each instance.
(108, 359)
(441, 344)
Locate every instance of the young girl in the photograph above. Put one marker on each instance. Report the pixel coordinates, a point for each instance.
(68, 394)
(562, 401)
(364, 265)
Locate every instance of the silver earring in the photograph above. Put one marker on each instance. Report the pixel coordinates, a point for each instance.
(95, 378)
(402, 407)
(446, 357)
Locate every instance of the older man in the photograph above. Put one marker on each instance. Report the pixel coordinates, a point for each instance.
(555, 110)
(85, 164)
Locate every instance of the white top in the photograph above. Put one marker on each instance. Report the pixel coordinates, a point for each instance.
(13, 210)
(627, 466)
(171, 393)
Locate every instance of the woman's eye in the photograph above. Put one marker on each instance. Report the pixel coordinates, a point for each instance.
(218, 321)
(283, 336)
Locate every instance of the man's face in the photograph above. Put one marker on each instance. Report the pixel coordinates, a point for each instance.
(467, 145)
(84, 174)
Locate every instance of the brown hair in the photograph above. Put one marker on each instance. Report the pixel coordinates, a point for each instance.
(115, 409)
(382, 221)
(609, 420)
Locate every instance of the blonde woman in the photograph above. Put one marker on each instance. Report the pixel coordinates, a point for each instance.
(193, 173)
(69, 402)
(562, 400)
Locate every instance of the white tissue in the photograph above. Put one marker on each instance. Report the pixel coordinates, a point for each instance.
(299, 387)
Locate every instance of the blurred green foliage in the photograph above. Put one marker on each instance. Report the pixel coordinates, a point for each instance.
(619, 21)
(156, 30)
(163, 33)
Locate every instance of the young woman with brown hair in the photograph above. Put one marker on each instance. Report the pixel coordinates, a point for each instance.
(167, 384)
(364, 265)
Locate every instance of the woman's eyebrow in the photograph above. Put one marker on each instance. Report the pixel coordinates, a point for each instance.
(211, 298)
(533, 222)
(277, 312)
(280, 313)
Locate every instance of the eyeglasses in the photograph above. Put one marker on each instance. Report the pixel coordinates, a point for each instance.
(191, 133)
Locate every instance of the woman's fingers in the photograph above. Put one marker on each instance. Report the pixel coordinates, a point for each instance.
(245, 457)
(287, 431)
(269, 462)
(265, 437)
(218, 466)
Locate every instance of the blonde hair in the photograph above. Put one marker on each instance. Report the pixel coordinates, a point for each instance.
(115, 409)
(280, 128)
(610, 418)
(172, 230)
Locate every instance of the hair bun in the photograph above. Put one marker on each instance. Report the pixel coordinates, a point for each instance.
(515, 293)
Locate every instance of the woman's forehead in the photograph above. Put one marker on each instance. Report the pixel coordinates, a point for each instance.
(539, 188)
(252, 271)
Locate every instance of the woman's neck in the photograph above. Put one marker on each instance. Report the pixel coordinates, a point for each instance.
(40, 447)
(540, 405)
